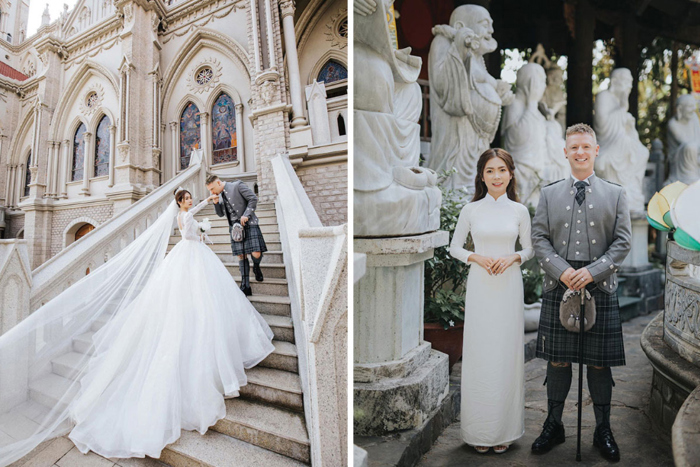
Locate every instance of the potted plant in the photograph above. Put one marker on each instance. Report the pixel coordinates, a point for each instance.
(445, 285)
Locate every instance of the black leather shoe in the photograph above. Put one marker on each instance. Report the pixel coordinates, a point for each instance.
(258, 273)
(246, 290)
(604, 441)
(552, 434)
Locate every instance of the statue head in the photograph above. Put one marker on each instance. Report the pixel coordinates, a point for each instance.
(685, 107)
(478, 19)
(531, 82)
(621, 81)
(555, 75)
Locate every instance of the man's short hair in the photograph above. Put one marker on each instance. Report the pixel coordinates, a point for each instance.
(211, 179)
(581, 128)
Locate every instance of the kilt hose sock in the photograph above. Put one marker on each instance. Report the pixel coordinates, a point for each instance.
(600, 385)
(256, 261)
(558, 385)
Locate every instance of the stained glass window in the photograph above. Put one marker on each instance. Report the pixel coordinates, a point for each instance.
(204, 75)
(223, 128)
(28, 175)
(92, 99)
(78, 153)
(332, 71)
(190, 137)
(102, 148)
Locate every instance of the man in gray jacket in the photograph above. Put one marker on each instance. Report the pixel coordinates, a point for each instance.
(238, 202)
(581, 234)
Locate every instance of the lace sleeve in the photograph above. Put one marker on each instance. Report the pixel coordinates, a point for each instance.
(199, 207)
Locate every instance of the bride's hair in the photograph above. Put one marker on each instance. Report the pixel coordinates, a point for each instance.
(180, 195)
(479, 185)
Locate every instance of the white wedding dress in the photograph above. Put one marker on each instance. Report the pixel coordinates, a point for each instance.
(177, 336)
(493, 392)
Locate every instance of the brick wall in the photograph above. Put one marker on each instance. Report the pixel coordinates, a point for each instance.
(62, 218)
(327, 187)
(15, 225)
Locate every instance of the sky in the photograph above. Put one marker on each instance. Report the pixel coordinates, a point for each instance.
(36, 9)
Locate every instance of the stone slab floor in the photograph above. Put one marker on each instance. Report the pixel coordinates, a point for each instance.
(640, 444)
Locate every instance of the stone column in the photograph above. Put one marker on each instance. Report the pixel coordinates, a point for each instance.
(11, 183)
(67, 168)
(256, 40)
(175, 142)
(50, 169)
(240, 148)
(270, 36)
(87, 166)
(112, 151)
(205, 134)
(294, 76)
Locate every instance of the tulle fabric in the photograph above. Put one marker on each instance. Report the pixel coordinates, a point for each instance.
(173, 335)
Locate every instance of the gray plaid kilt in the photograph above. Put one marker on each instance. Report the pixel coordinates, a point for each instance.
(252, 241)
(602, 344)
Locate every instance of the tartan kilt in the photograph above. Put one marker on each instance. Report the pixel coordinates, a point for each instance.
(602, 345)
(252, 241)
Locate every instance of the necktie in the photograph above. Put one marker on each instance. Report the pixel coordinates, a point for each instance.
(580, 192)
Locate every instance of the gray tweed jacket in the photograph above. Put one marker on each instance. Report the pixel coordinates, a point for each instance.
(242, 199)
(599, 231)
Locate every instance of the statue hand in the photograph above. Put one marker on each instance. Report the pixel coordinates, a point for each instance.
(365, 7)
(504, 91)
(544, 110)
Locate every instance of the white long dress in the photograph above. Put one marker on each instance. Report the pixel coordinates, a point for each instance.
(165, 362)
(493, 394)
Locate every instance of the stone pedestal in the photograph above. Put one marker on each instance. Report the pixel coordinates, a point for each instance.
(399, 380)
(638, 257)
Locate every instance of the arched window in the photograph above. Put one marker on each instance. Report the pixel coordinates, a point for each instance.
(332, 71)
(28, 174)
(102, 148)
(78, 153)
(223, 130)
(341, 125)
(190, 137)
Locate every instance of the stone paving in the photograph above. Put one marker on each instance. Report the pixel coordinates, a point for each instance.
(640, 444)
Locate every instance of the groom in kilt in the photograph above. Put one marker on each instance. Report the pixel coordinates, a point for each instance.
(238, 202)
(581, 234)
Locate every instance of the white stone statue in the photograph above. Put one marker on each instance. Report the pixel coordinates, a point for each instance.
(622, 158)
(46, 17)
(554, 98)
(684, 142)
(393, 196)
(465, 101)
(534, 142)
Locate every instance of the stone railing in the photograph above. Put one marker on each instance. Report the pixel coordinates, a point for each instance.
(316, 267)
(15, 282)
(96, 248)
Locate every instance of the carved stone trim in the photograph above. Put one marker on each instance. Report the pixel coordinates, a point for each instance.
(333, 29)
(100, 92)
(216, 69)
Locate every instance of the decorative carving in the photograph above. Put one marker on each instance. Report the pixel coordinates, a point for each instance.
(267, 91)
(337, 29)
(92, 100)
(29, 68)
(683, 310)
(128, 13)
(287, 7)
(187, 23)
(44, 57)
(205, 76)
(123, 152)
(156, 158)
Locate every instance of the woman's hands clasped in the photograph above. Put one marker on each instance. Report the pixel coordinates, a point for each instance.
(495, 266)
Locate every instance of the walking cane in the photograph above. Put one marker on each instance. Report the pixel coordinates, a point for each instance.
(582, 326)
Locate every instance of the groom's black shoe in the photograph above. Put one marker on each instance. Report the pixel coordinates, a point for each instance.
(604, 441)
(246, 290)
(258, 273)
(552, 434)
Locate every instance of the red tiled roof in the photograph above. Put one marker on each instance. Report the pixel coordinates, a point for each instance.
(7, 70)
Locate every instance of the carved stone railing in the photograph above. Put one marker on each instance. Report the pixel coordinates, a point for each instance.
(682, 310)
(316, 268)
(96, 248)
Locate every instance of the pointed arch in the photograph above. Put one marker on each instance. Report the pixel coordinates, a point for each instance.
(331, 55)
(27, 174)
(102, 146)
(224, 136)
(78, 159)
(75, 86)
(190, 133)
(203, 38)
(18, 138)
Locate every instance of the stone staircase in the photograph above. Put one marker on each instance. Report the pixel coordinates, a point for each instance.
(265, 425)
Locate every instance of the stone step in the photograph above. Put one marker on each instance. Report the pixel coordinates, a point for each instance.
(269, 270)
(262, 211)
(215, 449)
(270, 286)
(273, 386)
(225, 240)
(272, 304)
(225, 255)
(284, 357)
(269, 427)
(216, 235)
(49, 389)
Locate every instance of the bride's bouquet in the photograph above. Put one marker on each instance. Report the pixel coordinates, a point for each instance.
(205, 225)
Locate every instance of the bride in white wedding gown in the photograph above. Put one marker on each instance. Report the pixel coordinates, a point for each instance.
(178, 335)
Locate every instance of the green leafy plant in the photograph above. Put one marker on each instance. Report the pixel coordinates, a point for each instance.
(532, 283)
(446, 277)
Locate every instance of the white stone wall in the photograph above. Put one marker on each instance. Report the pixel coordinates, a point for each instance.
(327, 188)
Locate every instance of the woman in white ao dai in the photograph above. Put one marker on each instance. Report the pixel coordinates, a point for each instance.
(492, 413)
